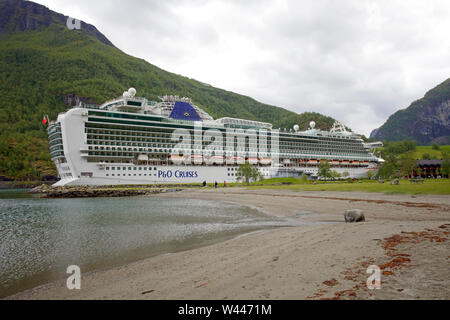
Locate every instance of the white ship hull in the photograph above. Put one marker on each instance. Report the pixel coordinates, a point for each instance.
(146, 174)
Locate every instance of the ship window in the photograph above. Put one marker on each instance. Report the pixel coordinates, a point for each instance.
(107, 168)
(134, 168)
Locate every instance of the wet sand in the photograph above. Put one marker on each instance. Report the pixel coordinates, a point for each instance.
(407, 236)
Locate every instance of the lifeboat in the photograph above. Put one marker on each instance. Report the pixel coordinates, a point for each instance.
(176, 159)
(252, 160)
(238, 160)
(194, 159)
(312, 162)
(216, 160)
(265, 160)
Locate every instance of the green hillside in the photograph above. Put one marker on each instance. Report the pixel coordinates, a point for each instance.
(47, 70)
(434, 154)
(415, 152)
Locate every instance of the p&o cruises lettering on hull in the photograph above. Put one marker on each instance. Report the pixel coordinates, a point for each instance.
(131, 140)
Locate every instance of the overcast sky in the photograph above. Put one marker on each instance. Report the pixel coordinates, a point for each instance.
(357, 61)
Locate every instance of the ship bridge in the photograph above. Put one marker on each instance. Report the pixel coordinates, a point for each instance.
(242, 123)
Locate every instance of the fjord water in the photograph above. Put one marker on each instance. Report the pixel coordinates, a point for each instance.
(40, 238)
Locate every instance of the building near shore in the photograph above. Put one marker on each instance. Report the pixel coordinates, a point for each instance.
(429, 168)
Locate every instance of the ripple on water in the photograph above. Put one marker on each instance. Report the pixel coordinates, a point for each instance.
(41, 237)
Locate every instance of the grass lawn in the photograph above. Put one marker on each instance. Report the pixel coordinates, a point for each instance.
(434, 154)
(429, 186)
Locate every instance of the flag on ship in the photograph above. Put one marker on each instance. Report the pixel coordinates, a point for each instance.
(45, 120)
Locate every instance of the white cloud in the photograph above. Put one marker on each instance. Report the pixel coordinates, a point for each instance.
(358, 61)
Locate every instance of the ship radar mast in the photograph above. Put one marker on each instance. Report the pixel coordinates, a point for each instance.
(338, 127)
(130, 93)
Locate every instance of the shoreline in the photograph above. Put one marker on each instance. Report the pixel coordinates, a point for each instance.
(4, 185)
(93, 272)
(313, 261)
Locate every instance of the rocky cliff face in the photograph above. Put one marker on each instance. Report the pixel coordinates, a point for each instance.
(436, 123)
(19, 15)
(426, 120)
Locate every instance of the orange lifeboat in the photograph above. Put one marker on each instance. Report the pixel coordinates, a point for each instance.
(216, 160)
(238, 160)
(265, 160)
(176, 159)
(194, 159)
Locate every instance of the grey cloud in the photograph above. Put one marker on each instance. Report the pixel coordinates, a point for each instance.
(358, 61)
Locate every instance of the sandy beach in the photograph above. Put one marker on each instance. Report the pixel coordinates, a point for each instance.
(405, 235)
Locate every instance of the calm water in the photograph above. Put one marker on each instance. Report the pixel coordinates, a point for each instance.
(39, 238)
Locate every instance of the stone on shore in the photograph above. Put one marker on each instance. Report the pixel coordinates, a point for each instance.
(354, 215)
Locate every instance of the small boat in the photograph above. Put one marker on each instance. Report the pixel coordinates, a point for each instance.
(176, 159)
(265, 160)
(194, 159)
(216, 160)
(237, 160)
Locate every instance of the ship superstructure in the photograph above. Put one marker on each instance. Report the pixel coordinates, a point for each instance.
(131, 140)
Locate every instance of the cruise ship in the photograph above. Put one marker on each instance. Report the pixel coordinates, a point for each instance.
(131, 140)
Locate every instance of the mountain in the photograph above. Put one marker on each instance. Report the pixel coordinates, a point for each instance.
(17, 15)
(46, 68)
(426, 120)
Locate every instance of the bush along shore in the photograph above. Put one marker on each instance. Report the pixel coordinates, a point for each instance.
(104, 191)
